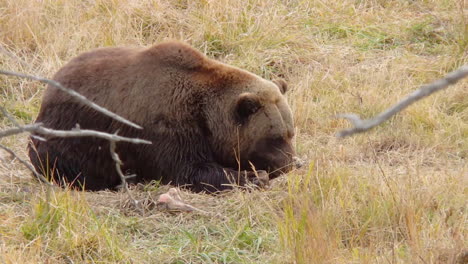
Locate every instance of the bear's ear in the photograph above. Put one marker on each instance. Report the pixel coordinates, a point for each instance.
(247, 104)
(282, 85)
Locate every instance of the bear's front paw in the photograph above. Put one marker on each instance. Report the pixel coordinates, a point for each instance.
(260, 178)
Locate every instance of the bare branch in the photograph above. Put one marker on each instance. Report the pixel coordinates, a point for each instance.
(82, 99)
(364, 125)
(123, 178)
(39, 129)
(38, 176)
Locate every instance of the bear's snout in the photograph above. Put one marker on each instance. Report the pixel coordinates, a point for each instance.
(274, 155)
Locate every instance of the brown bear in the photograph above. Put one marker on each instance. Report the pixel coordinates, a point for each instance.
(211, 125)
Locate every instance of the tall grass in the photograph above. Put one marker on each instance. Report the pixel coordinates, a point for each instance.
(394, 195)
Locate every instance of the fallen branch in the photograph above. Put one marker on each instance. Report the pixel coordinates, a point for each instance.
(38, 128)
(38, 176)
(76, 132)
(82, 99)
(364, 125)
(123, 178)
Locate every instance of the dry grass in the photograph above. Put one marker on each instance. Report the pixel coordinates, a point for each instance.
(394, 195)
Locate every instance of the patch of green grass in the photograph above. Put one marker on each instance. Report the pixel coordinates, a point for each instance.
(427, 33)
(65, 222)
(152, 186)
(214, 45)
(234, 241)
(368, 38)
(458, 106)
(26, 114)
(429, 36)
(375, 39)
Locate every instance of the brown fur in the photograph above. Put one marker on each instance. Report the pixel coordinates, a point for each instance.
(199, 114)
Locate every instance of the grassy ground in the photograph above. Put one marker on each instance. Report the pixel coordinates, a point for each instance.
(394, 195)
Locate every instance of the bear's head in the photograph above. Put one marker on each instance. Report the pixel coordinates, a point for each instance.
(266, 128)
(252, 121)
(246, 119)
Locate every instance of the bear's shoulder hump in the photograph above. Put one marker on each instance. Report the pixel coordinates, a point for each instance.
(177, 54)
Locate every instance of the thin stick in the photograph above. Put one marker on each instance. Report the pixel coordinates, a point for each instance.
(38, 176)
(123, 178)
(364, 125)
(82, 99)
(38, 128)
(76, 132)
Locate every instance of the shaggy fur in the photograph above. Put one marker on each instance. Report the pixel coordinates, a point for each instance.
(207, 121)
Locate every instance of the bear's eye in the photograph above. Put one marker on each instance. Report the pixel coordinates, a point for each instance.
(247, 106)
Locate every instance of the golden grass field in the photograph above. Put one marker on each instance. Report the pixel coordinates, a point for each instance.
(397, 194)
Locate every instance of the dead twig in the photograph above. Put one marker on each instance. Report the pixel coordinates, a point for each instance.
(38, 128)
(51, 133)
(82, 99)
(123, 178)
(364, 125)
(76, 132)
(38, 176)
